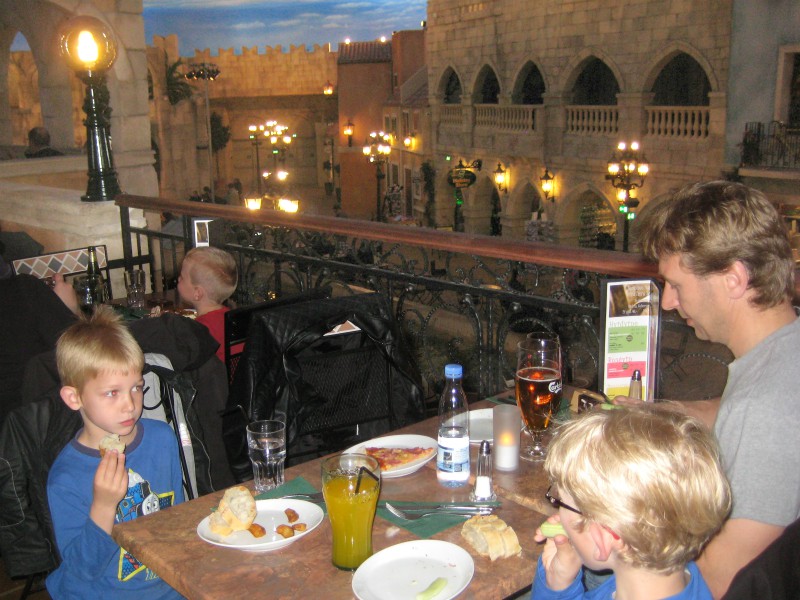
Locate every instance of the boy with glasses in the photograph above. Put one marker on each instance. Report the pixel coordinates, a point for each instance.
(638, 491)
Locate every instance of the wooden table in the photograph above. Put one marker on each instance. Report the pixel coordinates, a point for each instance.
(167, 541)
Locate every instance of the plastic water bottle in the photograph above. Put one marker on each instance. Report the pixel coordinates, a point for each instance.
(452, 460)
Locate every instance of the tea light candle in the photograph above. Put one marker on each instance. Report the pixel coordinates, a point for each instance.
(506, 424)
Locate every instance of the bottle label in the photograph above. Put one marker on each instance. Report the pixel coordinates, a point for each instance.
(555, 386)
(453, 455)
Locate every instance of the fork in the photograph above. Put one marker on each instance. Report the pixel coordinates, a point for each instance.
(462, 512)
(312, 497)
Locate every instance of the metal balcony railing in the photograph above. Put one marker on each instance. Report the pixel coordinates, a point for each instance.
(457, 297)
(772, 145)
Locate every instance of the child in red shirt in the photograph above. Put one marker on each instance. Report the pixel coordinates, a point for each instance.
(208, 278)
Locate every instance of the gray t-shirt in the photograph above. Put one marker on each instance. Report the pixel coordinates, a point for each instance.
(758, 428)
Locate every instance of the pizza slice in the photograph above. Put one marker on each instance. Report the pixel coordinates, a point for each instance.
(391, 459)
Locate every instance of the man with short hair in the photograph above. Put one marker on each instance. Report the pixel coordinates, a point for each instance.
(39, 144)
(723, 251)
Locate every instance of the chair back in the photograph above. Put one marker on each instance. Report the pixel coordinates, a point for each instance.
(237, 323)
(65, 262)
(331, 390)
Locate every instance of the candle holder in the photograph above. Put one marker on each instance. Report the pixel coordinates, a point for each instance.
(506, 426)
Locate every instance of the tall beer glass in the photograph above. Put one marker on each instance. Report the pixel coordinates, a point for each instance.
(539, 384)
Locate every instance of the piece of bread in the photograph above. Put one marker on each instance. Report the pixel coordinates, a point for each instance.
(490, 536)
(111, 442)
(218, 525)
(237, 508)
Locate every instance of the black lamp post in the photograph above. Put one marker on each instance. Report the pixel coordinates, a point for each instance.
(627, 171)
(89, 49)
(377, 150)
(207, 72)
(256, 133)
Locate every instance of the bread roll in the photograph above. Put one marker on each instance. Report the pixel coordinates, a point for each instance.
(490, 536)
(237, 510)
(111, 442)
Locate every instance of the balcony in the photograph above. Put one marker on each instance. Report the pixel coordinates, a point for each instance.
(457, 297)
(771, 146)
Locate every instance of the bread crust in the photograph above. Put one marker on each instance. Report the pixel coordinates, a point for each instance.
(111, 442)
(490, 536)
(236, 511)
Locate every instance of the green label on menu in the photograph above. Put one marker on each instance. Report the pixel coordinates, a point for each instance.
(627, 339)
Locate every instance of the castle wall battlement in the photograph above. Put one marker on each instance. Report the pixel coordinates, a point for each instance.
(274, 72)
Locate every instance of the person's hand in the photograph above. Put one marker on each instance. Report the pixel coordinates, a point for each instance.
(561, 561)
(66, 292)
(110, 486)
(626, 401)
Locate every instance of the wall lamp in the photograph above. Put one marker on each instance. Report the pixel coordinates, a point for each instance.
(409, 140)
(348, 131)
(87, 46)
(547, 185)
(501, 178)
(327, 89)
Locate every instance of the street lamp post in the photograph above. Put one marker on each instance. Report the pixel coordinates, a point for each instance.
(377, 150)
(256, 133)
(627, 171)
(207, 72)
(89, 49)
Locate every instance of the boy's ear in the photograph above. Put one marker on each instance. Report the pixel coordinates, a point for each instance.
(605, 541)
(71, 397)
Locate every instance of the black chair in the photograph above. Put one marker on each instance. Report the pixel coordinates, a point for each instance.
(332, 391)
(237, 323)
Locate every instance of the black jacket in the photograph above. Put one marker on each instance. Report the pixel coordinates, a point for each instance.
(323, 386)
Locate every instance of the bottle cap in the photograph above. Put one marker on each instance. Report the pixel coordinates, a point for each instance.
(451, 371)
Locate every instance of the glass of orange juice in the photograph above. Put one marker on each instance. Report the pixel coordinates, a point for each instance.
(351, 484)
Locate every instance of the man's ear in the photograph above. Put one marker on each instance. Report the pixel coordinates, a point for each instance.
(71, 397)
(605, 541)
(737, 280)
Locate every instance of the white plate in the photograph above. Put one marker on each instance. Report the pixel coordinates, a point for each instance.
(399, 441)
(270, 515)
(480, 426)
(401, 572)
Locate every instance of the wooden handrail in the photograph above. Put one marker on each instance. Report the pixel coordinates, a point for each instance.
(617, 264)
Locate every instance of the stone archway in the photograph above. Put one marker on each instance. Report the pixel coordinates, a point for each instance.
(523, 202)
(585, 217)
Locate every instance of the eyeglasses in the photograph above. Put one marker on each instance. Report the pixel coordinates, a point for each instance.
(557, 503)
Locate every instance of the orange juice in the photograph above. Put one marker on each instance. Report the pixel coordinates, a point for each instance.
(351, 515)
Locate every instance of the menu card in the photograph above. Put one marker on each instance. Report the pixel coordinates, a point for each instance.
(630, 336)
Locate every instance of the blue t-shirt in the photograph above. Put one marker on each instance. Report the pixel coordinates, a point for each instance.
(696, 589)
(93, 565)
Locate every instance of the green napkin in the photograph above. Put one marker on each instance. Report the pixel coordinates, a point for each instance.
(422, 528)
(298, 485)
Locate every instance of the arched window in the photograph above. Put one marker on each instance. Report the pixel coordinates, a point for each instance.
(682, 82)
(487, 87)
(529, 87)
(596, 85)
(452, 88)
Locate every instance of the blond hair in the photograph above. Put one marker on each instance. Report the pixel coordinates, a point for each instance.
(652, 476)
(214, 270)
(96, 344)
(712, 225)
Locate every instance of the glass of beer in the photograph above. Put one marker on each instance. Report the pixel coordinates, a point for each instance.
(538, 380)
(351, 484)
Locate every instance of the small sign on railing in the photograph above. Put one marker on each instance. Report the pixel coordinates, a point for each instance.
(630, 336)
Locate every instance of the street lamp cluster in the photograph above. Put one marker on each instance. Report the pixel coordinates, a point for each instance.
(279, 139)
(206, 72)
(377, 149)
(627, 171)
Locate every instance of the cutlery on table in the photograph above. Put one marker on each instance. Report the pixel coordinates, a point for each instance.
(311, 497)
(463, 511)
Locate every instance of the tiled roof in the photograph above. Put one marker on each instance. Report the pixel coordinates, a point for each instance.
(365, 52)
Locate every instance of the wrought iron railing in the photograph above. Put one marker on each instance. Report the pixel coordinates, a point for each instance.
(457, 297)
(772, 145)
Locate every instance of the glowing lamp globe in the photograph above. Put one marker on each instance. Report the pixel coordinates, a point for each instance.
(86, 44)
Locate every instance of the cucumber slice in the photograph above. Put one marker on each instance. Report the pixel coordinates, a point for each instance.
(433, 590)
(549, 529)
